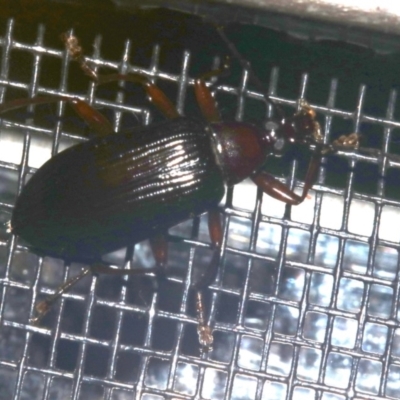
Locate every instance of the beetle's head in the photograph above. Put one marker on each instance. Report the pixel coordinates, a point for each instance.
(301, 128)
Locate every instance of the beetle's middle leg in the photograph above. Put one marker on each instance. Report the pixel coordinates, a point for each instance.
(204, 330)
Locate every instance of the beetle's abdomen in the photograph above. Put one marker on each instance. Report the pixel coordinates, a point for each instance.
(101, 195)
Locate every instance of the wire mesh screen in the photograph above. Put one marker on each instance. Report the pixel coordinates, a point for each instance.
(305, 305)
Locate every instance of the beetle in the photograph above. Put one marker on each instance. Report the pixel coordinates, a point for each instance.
(118, 189)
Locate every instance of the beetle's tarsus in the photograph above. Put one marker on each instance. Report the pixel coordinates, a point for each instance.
(206, 338)
(352, 140)
(204, 330)
(75, 51)
(41, 309)
(307, 113)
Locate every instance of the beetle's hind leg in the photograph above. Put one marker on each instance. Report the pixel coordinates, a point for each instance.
(90, 115)
(44, 306)
(155, 94)
(159, 246)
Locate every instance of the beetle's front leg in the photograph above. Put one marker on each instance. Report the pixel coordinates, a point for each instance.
(276, 189)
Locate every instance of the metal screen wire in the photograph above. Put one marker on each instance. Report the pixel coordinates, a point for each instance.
(305, 305)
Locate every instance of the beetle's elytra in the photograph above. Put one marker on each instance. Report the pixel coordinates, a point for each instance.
(83, 201)
(119, 189)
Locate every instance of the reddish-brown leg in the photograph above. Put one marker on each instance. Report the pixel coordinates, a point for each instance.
(204, 329)
(44, 306)
(209, 109)
(159, 246)
(206, 101)
(91, 116)
(156, 95)
(204, 97)
(280, 191)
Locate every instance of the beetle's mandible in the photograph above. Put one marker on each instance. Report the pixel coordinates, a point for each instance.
(119, 189)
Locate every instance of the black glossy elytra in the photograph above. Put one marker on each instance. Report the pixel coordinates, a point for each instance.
(119, 189)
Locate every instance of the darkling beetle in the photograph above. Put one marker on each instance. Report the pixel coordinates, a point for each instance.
(117, 189)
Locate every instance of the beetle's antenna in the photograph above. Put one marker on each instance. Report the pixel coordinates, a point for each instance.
(247, 66)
